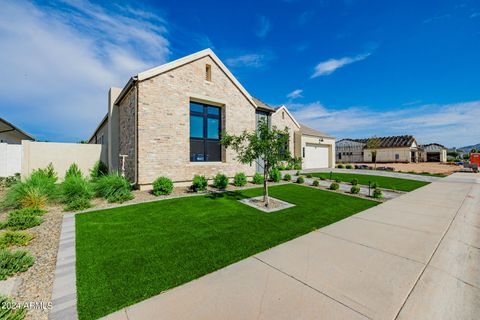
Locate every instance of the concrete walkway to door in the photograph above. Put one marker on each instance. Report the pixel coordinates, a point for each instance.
(413, 257)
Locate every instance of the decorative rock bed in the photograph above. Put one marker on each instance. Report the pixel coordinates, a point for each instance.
(274, 204)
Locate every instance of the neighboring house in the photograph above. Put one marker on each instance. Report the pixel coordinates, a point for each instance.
(433, 152)
(390, 149)
(167, 121)
(11, 134)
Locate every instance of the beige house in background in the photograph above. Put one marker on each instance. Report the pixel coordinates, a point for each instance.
(167, 121)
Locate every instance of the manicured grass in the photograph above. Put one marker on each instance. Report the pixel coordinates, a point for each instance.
(384, 182)
(128, 254)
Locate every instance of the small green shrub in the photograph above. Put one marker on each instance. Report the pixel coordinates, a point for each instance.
(275, 175)
(199, 183)
(340, 166)
(30, 211)
(322, 178)
(295, 164)
(240, 179)
(162, 186)
(287, 177)
(374, 185)
(355, 189)
(297, 173)
(8, 311)
(377, 193)
(257, 178)
(98, 170)
(354, 182)
(300, 180)
(220, 181)
(334, 186)
(113, 187)
(348, 166)
(14, 262)
(316, 183)
(73, 171)
(76, 192)
(14, 238)
(337, 180)
(22, 219)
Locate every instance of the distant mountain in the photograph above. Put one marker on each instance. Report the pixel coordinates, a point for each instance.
(468, 148)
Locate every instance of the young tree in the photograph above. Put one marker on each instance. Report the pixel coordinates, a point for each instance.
(266, 144)
(372, 144)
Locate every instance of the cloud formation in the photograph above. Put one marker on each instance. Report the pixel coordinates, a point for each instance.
(263, 27)
(251, 60)
(329, 66)
(295, 94)
(59, 60)
(453, 124)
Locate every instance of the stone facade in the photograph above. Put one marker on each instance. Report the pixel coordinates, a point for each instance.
(282, 119)
(164, 122)
(127, 139)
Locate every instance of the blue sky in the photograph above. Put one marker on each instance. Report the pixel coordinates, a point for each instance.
(351, 68)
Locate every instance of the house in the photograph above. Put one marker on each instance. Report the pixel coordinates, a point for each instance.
(389, 149)
(167, 121)
(11, 134)
(433, 152)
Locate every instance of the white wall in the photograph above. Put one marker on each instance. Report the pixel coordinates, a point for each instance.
(10, 159)
(39, 154)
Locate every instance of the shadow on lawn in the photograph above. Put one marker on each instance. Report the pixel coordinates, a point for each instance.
(229, 195)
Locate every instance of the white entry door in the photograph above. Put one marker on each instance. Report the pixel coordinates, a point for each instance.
(316, 156)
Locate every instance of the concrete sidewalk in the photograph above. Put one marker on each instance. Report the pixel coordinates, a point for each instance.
(413, 257)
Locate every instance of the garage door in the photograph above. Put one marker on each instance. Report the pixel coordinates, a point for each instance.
(433, 156)
(316, 156)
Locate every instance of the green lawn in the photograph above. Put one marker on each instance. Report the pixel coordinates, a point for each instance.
(128, 254)
(384, 182)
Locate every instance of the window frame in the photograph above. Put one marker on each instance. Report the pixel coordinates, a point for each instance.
(205, 116)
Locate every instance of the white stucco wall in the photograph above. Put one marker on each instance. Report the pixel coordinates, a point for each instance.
(10, 159)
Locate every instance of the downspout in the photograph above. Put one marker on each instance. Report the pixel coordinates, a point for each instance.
(136, 133)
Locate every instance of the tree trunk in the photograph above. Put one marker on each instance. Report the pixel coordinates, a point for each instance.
(265, 187)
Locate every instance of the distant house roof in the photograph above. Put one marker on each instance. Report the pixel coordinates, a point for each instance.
(312, 132)
(405, 141)
(6, 126)
(433, 144)
(262, 104)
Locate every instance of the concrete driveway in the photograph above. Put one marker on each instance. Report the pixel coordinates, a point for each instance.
(413, 257)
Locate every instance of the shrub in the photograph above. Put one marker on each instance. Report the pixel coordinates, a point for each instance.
(23, 219)
(334, 186)
(297, 173)
(348, 166)
(377, 193)
(287, 177)
(374, 185)
(199, 183)
(98, 170)
(275, 175)
(113, 187)
(14, 262)
(300, 179)
(295, 164)
(322, 178)
(14, 238)
(340, 166)
(281, 167)
(162, 186)
(257, 178)
(73, 171)
(354, 182)
(337, 180)
(355, 189)
(309, 176)
(240, 179)
(76, 192)
(220, 181)
(316, 183)
(35, 191)
(9, 311)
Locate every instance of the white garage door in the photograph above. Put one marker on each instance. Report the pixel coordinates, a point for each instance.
(316, 156)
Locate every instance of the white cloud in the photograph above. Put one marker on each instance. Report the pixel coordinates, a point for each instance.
(295, 94)
(253, 60)
(450, 124)
(475, 14)
(263, 27)
(58, 61)
(329, 66)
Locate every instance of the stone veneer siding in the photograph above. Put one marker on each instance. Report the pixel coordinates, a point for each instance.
(127, 120)
(286, 121)
(164, 122)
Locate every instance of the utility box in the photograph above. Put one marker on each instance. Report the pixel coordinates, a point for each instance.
(475, 158)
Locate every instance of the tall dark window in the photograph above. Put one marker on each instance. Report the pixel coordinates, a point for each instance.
(205, 127)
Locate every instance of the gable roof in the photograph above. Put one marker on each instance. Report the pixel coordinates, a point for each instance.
(6, 126)
(312, 132)
(180, 62)
(284, 108)
(390, 142)
(433, 144)
(262, 104)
